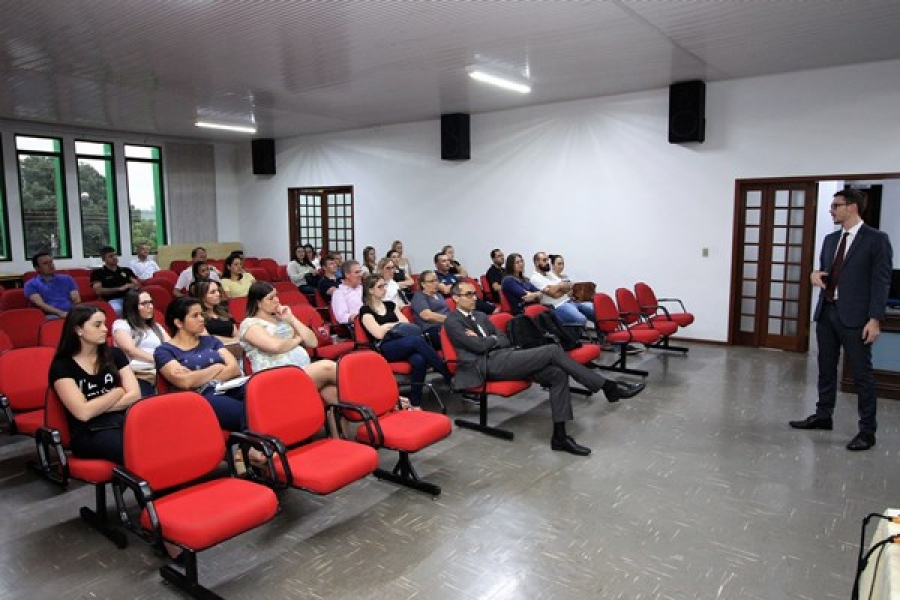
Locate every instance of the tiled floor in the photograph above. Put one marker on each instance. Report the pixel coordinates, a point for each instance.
(696, 489)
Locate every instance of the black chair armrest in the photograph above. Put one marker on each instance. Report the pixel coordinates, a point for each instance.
(270, 446)
(52, 460)
(8, 414)
(366, 415)
(124, 480)
(680, 303)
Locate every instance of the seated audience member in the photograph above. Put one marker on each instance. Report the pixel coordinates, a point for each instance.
(385, 325)
(138, 335)
(94, 384)
(183, 284)
(347, 298)
(446, 279)
(219, 322)
(272, 336)
(400, 261)
(485, 354)
(192, 360)
(200, 271)
(369, 261)
(555, 291)
(301, 268)
(429, 307)
(392, 293)
(329, 282)
(143, 266)
(455, 268)
(495, 274)
(339, 261)
(112, 281)
(401, 276)
(515, 287)
(235, 281)
(50, 291)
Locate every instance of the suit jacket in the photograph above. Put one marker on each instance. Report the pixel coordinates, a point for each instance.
(865, 278)
(472, 350)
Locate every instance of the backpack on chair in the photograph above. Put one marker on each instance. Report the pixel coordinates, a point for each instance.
(523, 332)
(550, 324)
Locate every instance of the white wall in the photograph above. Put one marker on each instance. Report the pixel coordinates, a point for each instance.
(593, 179)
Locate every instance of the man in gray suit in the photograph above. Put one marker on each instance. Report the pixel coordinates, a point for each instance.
(485, 354)
(855, 277)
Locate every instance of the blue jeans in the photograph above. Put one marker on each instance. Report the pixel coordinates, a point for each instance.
(229, 408)
(420, 355)
(575, 313)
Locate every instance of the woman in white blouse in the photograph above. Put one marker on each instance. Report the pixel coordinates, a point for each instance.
(138, 335)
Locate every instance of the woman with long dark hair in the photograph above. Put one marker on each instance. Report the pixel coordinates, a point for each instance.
(518, 290)
(235, 281)
(398, 339)
(302, 269)
(200, 272)
(139, 335)
(369, 261)
(219, 322)
(94, 384)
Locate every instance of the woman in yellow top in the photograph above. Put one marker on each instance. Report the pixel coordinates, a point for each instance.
(235, 281)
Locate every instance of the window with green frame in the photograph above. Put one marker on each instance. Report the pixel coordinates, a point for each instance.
(97, 196)
(5, 253)
(143, 166)
(45, 220)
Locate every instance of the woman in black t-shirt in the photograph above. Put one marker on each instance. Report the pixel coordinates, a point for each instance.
(94, 383)
(382, 321)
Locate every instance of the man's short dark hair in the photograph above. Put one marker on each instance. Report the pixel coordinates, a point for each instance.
(536, 255)
(197, 251)
(106, 250)
(37, 257)
(438, 255)
(853, 196)
(495, 252)
(456, 288)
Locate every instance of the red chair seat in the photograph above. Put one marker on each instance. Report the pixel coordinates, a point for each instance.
(585, 354)
(29, 422)
(334, 351)
(400, 368)
(640, 336)
(665, 328)
(92, 470)
(409, 431)
(681, 319)
(505, 388)
(188, 520)
(327, 465)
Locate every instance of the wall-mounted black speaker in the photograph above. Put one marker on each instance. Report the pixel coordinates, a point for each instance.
(264, 157)
(455, 137)
(687, 112)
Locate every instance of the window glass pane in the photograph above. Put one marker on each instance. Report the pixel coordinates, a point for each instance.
(779, 235)
(97, 200)
(145, 152)
(751, 253)
(748, 288)
(776, 290)
(798, 198)
(751, 235)
(748, 305)
(793, 291)
(778, 272)
(93, 149)
(38, 144)
(790, 327)
(796, 235)
(791, 309)
(781, 217)
(774, 326)
(797, 218)
(145, 198)
(44, 217)
(778, 254)
(775, 308)
(750, 271)
(752, 216)
(754, 199)
(795, 253)
(782, 197)
(747, 324)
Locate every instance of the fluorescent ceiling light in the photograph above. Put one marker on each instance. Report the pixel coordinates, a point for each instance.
(240, 128)
(506, 84)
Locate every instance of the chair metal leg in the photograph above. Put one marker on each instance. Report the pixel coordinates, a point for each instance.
(187, 581)
(620, 365)
(482, 425)
(405, 474)
(664, 344)
(99, 520)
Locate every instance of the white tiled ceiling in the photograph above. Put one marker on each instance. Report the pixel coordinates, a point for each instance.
(154, 66)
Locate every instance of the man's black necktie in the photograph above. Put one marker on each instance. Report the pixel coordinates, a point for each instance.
(835, 272)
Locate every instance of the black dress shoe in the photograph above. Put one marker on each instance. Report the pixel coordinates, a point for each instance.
(568, 444)
(862, 441)
(617, 390)
(813, 422)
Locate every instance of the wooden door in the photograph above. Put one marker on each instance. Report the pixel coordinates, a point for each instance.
(773, 256)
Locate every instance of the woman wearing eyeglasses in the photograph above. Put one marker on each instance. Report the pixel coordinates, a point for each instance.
(138, 335)
(430, 308)
(386, 269)
(396, 338)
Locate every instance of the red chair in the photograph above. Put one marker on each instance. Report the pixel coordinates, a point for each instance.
(327, 348)
(286, 286)
(23, 385)
(283, 274)
(505, 306)
(162, 282)
(271, 267)
(180, 265)
(479, 395)
(630, 310)
(14, 298)
(162, 297)
(238, 308)
(259, 273)
(284, 408)
(251, 262)
(479, 293)
(366, 380)
(107, 309)
(5, 342)
(585, 355)
(171, 472)
(22, 325)
(57, 464)
(168, 275)
(652, 307)
(85, 289)
(486, 287)
(50, 333)
(616, 331)
(292, 296)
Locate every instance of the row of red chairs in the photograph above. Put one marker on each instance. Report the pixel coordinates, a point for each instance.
(171, 472)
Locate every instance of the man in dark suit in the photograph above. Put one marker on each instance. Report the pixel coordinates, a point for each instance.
(485, 354)
(854, 276)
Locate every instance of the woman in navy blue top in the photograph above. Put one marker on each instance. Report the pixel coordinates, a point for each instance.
(518, 291)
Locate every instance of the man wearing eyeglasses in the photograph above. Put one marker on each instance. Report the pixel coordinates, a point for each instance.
(485, 353)
(347, 298)
(854, 277)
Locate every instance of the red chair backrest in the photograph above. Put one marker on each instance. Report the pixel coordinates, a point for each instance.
(162, 282)
(407, 311)
(23, 376)
(5, 342)
(360, 335)
(628, 306)
(251, 262)
(533, 310)
(479, 293)
(168, 275)
(271, 267)
(310, 317)
(259, 273)
(22, 325)
(486, 286)
(449, 351)
(157, 449)
(28, 276)
(451, 304)
(55, 416)
(107, 309)
(179, 265)
(505, 306)
(217, 264)
(283, 274)
(85, 289)
(50, 333)
(366, 378)
(415, 284)
(238, 308)
(645, 298)
(161, 297)
(284, 402)
(606, 312)
(285, 286)
(500, 321)
(294, 296)
(14, 298)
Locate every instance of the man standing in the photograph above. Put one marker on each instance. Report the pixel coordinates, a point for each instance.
(52, 293)
(555, 294)
(495, 274)
(111, 281)
(347, 298)
(186, 277)
(143, 266)
(485, 353)
(854, 277)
